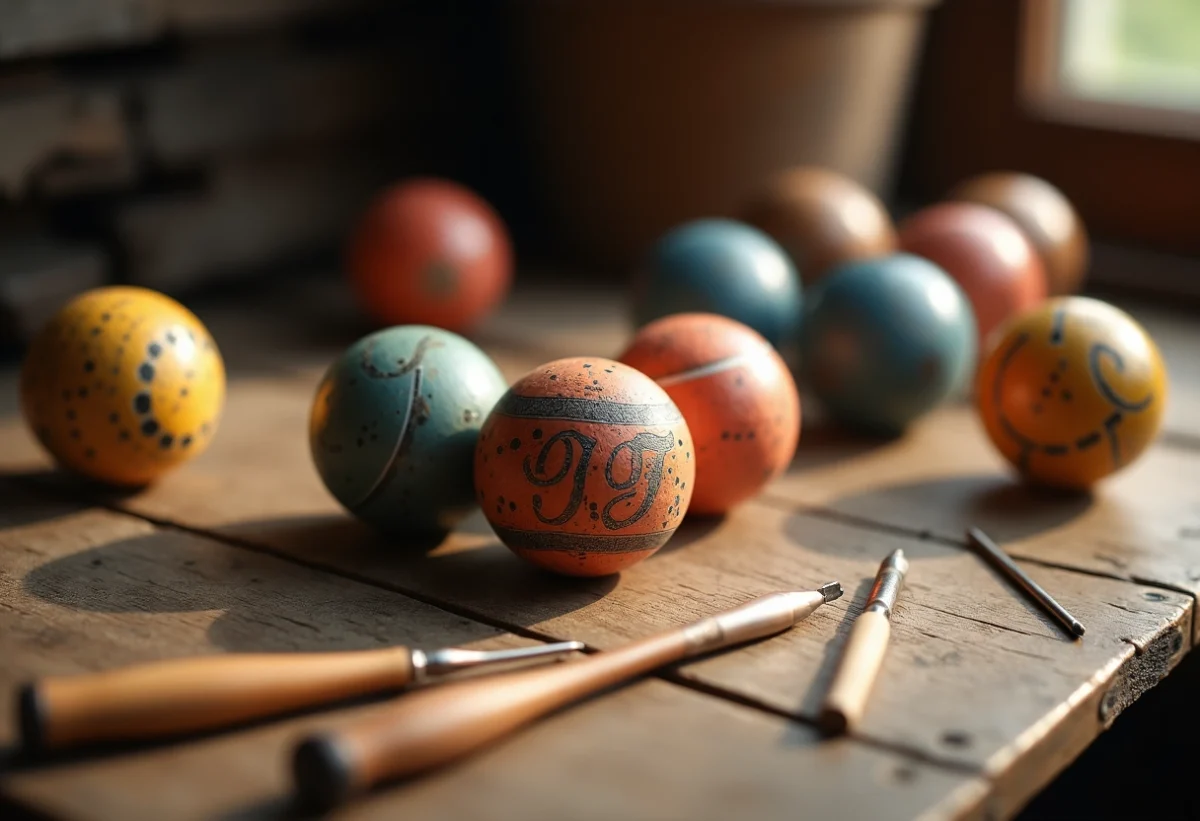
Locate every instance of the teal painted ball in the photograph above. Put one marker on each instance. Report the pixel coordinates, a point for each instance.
(885, 340)
(721, 267)
(394, 425)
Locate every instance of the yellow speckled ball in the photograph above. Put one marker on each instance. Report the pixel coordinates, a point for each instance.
(1072, 391)
(122, 385)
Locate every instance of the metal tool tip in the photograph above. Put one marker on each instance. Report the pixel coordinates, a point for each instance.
(830, 591)
(897, 560)
(1077, 628)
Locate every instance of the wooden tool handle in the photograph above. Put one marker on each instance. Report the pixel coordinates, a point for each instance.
(432, 727)
(181, 696)
(847, 697)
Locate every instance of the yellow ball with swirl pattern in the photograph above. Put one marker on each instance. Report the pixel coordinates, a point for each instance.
(1072, 391)
(122, 385)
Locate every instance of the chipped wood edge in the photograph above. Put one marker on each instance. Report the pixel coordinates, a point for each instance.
(1041, 752)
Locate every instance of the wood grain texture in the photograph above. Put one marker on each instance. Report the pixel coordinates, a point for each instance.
(958, 627)
(1141, 524)
(85, 589)
(974, 679)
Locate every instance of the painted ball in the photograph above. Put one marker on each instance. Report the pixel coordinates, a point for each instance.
(1044, 214)
(394, 425)
(430, 252)
(721, 267)
(738, 398)
(122, 385)
(886, 340)
(822, 219)
(985, 252)
(1073, 390)
(585, 467)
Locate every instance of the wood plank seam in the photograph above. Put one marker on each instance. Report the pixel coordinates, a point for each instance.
(993, 774)
(865, 523)
(715, 691)
(520, 630)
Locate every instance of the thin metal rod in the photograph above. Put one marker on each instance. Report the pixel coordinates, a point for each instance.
(991, 551)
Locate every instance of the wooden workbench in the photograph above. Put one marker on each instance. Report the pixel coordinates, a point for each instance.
(981, 700)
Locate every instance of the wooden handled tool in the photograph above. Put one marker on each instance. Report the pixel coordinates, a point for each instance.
(187, 695)
(431, 728)
(847, 697)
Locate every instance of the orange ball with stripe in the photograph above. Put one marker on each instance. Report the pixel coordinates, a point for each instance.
(737, 395)
(585, 467)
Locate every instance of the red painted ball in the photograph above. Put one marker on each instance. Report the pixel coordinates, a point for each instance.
(430, 252)
(737, 395)
(986, 253)
(585, 467)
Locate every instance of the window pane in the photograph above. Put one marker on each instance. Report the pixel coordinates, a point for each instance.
(1141, 51)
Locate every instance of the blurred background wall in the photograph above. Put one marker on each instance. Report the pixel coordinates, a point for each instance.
(182, 143)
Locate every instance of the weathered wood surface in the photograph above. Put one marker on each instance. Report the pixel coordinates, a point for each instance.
(85, 589)
(1142, 524)
(975, 680)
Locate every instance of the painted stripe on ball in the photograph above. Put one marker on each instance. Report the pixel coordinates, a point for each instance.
(389, 467)
(704, 370)
(581, 542)
(586, 410)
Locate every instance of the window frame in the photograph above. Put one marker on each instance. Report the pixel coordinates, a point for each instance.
(1044, 95)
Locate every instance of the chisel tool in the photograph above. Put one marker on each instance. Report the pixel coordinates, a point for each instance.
(428, 729)
(187, 695)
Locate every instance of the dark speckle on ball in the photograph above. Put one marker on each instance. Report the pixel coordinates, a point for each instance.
(514, 444)
(141, 402)
(89, 366)
(146, 372)
(166, 441)
(154, 350)
(149, 427)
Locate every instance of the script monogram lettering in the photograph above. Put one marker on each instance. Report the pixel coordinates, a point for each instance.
(638, 446)
(569, 438)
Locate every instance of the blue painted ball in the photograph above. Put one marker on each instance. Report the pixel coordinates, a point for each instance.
(721, 267)
(885, 340)
(394, 425)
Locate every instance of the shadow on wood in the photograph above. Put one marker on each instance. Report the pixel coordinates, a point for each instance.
(823, 441)
(38, 495)
(1005, 508)
(175, 572)
(469, 567)
(801, 734)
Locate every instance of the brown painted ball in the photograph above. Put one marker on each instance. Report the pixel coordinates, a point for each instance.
(585, 467)
(1044, 214)
(822, 219)
(738, 398)
(986, 254)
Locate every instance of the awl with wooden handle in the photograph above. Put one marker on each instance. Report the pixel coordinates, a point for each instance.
(846, 700)
(187, 695)
(427, 729)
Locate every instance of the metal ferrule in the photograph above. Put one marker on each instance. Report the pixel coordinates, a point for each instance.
(447, 660)
(887, 584)
(761, 617)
